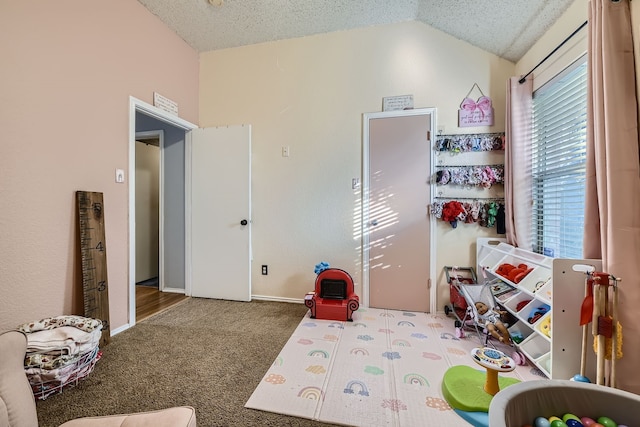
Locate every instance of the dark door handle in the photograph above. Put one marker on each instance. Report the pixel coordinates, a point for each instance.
(244, 222)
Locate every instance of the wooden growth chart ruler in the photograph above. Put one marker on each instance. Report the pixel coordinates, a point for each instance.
(93, 250)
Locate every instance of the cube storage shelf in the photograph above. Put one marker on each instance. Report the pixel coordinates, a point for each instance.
(552, 290)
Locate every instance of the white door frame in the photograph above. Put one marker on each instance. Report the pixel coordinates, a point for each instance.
(365, 201)
(136, 105)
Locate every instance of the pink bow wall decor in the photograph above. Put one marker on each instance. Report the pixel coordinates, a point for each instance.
(475, 113)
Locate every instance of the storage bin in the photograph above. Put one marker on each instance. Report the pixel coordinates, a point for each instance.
(519, 332)
(513, 303)
(535, 346)
(519, 404)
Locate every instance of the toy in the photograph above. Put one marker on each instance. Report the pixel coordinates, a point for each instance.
(545, 326)
(512, 272)
(537, 313)
(320, 267)
(571, 420)
(580, 378)
(607, 332)
(491, 319)
(334, 297)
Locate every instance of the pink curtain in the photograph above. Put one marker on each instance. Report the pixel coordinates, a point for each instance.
(612, 211)
(517, 162)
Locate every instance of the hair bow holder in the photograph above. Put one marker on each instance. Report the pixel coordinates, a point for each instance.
(475, 113)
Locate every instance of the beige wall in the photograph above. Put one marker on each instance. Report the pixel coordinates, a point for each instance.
(310, 94)
(147, 211)
(573, 49)
(68, 69)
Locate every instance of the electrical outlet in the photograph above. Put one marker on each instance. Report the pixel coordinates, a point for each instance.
(265, 270)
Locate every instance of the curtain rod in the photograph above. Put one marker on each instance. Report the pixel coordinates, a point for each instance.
(552, 52)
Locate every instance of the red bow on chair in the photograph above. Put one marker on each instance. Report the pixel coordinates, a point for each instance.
(483, 104)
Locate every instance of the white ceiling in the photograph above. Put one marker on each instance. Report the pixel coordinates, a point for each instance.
(507, 28)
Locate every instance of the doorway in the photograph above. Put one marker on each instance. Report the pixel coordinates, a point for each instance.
(148, 205)
(397, 245)
(147, 121)
(188, 241)
(149, 253)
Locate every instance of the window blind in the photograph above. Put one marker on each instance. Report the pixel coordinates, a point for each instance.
(559, 163)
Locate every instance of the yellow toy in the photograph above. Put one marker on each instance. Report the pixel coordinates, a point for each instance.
(545, 326)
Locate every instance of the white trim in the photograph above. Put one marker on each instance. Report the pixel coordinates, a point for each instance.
(433, 291)
(277, 299)
(120, 329)
(151, 111)
(174, 290)
(188, 150)
(156, 113)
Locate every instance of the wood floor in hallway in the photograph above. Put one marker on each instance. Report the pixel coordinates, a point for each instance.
(150, 301)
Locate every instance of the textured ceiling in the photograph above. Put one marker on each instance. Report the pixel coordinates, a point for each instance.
(507, 28)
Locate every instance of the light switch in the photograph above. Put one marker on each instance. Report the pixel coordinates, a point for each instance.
(120, 176)
(285, 151)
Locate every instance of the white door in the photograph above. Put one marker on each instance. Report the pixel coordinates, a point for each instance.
(220, 213)
(398, 227)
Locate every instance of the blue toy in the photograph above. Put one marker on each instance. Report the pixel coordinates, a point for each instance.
(322, 266)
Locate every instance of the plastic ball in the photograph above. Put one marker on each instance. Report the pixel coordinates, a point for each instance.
(580, 378)
(573, 423)
(558, 423)
(541, 422)
(553, 418)
(567, 417)
(607, 422)
(586, 421)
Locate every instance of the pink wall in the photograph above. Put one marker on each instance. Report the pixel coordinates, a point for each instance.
(68, 69)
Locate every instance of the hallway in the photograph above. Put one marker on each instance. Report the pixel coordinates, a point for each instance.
(150, 301)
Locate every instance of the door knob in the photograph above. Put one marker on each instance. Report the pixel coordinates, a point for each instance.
(244, 222)
(374, 222)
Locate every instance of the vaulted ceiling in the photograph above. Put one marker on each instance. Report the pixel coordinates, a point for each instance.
(506, 28)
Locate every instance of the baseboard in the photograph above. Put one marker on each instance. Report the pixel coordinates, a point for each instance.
(174, 290)
(277, 299)
(120, 329)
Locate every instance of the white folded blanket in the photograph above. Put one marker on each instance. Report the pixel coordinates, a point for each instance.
(67, 340)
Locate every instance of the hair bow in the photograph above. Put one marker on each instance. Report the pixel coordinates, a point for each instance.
(483, 104)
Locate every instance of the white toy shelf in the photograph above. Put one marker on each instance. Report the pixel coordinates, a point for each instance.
(552, 283)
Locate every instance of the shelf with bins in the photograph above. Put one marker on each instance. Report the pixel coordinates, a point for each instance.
(552, 340)
(529, 274)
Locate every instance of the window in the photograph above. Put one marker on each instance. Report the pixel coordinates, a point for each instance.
(559, 163)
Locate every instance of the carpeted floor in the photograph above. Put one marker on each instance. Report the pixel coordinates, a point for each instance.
(209, 354)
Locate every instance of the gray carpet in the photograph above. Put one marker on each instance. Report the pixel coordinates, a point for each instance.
(209, 354)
